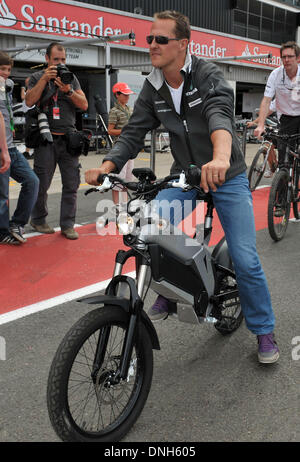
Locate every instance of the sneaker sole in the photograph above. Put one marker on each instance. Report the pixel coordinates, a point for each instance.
(270, 360)
(18, 237)
(158, 318)
(10, 243)
(73, 238)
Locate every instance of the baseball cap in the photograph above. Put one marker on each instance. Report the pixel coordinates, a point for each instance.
(122, 88)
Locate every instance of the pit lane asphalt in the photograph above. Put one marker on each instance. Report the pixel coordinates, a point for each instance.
(205, 387)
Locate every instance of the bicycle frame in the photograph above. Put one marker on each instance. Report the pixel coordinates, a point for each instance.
(266, 144)
(293, 163)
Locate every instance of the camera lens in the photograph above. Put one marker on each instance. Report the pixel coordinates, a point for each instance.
(44, 128)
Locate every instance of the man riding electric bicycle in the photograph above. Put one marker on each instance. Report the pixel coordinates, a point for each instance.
(192, 100)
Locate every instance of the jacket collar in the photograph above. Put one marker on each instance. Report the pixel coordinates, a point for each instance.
(156, 77)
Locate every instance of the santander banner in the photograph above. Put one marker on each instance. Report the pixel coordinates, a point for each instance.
(66, 20)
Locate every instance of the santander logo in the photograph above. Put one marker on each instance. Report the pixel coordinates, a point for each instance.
(42, 16)
(7, 18)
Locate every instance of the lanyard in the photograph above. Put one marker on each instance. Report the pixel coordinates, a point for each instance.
(55, 98)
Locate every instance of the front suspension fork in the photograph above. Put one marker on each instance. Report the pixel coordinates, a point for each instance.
(136, 305)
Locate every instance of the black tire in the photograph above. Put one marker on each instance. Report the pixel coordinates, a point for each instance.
(278, 200)
(82, 408)
(257, 169)
(296, 201)
(230, 311)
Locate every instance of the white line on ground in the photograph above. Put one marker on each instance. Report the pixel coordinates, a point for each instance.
(52, 302)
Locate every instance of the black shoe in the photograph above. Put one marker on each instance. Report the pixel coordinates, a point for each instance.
(9, 239)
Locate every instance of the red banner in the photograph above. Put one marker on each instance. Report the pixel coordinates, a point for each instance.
(63, 20)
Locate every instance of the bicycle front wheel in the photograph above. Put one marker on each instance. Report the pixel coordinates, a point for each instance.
(85, 403)
(257, 168)
(296, 201)
(279, 206)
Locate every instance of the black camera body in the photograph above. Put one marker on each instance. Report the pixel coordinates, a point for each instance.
(64, 73)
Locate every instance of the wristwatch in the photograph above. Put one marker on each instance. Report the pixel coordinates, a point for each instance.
(70, 92)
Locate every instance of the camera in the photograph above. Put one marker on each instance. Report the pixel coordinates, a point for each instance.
(45, 133)
(64, 73)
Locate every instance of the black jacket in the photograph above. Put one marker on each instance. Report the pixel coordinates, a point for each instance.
(207, 105)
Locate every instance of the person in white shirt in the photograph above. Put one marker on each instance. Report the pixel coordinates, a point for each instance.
(283, 84)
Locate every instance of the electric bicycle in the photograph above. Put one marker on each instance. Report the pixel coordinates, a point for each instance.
(101, 374)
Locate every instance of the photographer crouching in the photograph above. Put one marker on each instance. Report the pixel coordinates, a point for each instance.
(56, 93)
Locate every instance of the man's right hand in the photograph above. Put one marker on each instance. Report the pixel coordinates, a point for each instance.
(50, 73)
(91, 176)
(258, 131)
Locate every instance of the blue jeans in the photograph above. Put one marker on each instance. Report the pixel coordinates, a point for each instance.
(233, 203)
(21, 172)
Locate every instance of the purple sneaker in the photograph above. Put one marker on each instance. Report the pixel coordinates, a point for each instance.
(159, 310)
(268, 351)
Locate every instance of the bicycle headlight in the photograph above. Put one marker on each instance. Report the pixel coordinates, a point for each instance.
(125, 223)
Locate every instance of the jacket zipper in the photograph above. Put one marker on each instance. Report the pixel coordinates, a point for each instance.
(187, 138)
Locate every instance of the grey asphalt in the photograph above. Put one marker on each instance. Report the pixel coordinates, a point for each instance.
(205, 388)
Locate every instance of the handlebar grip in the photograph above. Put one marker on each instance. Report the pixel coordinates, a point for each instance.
(101, 177)
(132, 185)
(89, 191)
(193, 175)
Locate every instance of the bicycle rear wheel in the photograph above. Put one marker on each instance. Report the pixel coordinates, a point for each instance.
(296, 201)
(257, 168)
(231, 315)
(279, 206)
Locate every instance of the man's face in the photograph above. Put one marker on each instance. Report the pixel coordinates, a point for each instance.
(56, 57)
(164, 56)
(5, 71)
(289, 59)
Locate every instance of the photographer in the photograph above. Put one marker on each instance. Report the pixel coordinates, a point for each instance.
(57, 122)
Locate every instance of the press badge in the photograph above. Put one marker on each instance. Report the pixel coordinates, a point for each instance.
(56, 113)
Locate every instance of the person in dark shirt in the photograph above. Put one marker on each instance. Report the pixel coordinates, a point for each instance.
(61, 114)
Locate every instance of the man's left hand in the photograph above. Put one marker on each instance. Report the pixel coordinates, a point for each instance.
(213, 174)
(64, 87)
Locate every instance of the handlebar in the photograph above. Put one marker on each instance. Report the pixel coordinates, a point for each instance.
(185, 181)
(269, 133)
